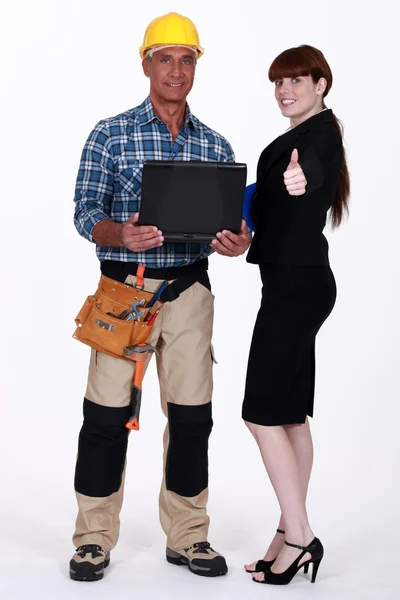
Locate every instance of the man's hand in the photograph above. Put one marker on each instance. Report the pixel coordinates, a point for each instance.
(294, 178)
(139, 238)
(232, 244)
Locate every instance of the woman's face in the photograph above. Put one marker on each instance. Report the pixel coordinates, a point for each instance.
(299, 97)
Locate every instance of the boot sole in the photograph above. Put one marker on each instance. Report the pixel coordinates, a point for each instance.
(177, 559)
(87, 571)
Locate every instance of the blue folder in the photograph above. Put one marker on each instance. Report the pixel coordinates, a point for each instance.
(247, 204)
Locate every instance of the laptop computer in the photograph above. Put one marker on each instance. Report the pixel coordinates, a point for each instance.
(190, 201)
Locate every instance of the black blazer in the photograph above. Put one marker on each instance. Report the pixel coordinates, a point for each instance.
(289, 228)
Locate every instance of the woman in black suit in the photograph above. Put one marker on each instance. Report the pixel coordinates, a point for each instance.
(300, 177)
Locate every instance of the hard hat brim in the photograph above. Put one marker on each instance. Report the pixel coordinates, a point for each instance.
(144, 50)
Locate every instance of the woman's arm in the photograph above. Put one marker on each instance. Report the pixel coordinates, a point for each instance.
(315, 157)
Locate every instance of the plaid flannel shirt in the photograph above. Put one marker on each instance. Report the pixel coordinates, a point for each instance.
(108, 185)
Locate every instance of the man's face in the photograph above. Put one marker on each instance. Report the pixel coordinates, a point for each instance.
(171, 72)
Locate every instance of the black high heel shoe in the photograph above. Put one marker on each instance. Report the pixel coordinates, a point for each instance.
(264, 565)
(316, 550)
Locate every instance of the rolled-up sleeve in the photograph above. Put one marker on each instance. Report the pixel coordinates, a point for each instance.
(95, 181)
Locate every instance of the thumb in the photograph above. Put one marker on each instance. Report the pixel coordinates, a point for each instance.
(243, 228)
(133, 219)
(294, 159)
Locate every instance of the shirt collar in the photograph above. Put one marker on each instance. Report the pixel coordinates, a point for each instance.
(146, 114)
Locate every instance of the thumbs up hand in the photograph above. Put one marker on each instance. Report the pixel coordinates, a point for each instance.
(294, 178)
(294, 159)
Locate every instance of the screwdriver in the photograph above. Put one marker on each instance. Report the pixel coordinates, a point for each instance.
(157, 293)
(153, 318)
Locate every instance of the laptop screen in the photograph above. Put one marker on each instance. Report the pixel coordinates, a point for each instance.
(190, 201)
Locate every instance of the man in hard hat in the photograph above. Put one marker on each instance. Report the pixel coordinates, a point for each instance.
(107, 197)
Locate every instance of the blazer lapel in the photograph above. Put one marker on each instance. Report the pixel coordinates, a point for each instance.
(290, 139)
(282, 143)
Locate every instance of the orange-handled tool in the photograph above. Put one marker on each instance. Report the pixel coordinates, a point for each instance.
(153, 318)
(139, 354)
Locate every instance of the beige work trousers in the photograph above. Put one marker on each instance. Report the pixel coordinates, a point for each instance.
(182, 334)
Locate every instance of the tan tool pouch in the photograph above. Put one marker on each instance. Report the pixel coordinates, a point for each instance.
(97, 322)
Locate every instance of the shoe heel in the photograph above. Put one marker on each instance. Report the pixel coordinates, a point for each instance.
(306, 568)
(174, 558)
(175, 561)
(315, 569)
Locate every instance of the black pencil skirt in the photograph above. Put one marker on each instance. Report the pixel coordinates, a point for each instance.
(296, 300)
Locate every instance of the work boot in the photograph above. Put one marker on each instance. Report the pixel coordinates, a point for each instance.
(200, 558)
(88, 563)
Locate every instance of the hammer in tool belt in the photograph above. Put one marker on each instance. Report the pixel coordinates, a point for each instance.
(139, 354)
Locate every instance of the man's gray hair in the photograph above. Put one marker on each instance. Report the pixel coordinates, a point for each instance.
(150, 52)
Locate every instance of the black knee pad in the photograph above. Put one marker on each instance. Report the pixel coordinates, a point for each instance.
(103, 441)
(187, 457)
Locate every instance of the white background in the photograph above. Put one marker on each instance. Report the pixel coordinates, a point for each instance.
(66, 65)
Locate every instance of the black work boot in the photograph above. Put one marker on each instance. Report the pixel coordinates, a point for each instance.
(200, 558)
(88, 563)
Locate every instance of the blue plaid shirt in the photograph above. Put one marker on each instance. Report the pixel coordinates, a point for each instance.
(110, 174)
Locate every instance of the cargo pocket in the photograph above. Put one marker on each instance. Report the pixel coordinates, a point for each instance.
(212, 352)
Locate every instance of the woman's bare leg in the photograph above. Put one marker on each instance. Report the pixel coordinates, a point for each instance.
(287, 455)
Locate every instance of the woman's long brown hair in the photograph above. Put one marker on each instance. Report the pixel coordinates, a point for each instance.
(307, 60)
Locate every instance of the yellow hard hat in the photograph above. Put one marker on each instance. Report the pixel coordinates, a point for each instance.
(171, 30)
